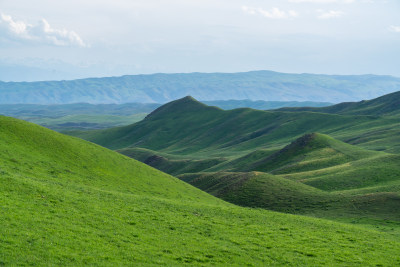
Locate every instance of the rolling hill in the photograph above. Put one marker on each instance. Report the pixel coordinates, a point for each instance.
(316, 175)
(186, 126)
(69, 202)
(249, 157)
(83, 116)
(162, 88)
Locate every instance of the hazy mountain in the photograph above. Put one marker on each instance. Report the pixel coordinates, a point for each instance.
(161, 88)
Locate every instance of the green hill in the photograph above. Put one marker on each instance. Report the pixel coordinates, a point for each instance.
(274, 192)
(186, 126)
(310, 152)
(83, 116)
(69, 202)
(387, 105)
(314, 175)
(337, 179)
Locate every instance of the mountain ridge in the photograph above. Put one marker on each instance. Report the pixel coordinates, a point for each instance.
(162, 88)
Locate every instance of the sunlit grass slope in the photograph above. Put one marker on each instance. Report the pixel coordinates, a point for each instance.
(68, 202)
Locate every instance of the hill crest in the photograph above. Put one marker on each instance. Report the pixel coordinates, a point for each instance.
(182, 105)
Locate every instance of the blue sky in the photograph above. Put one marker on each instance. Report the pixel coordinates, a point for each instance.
(47, 39)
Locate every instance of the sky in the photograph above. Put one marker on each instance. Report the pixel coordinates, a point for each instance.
(48, 39)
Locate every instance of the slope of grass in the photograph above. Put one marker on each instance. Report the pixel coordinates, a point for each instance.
(387, 105)
(354, 184)
(274, 192)
(186, 126)
(311, 152)
(68, 202)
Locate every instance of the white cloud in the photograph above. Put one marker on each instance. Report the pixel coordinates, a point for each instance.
(323, 1)
(41, 32)
(394, 28)
(274, 13)
(330, 14)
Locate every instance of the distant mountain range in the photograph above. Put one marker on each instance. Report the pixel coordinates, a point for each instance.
(162, 88)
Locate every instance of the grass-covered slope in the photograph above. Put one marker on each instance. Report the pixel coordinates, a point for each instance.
(315, 174)
(311, 152)
(68, 202)
(387, 105)
(274, 192)
(186, 126)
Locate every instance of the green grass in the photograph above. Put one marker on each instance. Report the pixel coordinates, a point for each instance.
(387, 105)
(315, 174)
(188, 127)
(68, 202)
(310, 174)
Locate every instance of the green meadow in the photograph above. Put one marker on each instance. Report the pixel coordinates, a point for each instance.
(69, 202)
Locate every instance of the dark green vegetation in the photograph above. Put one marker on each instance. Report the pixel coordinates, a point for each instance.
(387, 105)
(263, 105)
(161, 88)
(188, 127)
(83, 116)
(266, 158)
(68, 202)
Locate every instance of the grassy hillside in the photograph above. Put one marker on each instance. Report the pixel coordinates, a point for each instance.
(263, 105)
(162, 88)
(314, 175)
(186, 126)
(69, 202)
(387, 105)
(274, 192)
(83, 116)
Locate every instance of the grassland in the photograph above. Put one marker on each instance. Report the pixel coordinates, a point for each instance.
(69, 202)
(268, 159)
(314, 175)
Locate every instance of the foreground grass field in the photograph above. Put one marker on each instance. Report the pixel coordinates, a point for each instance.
(68, 202)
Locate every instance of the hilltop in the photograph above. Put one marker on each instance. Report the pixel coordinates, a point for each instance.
(81, 116)
(186, 126)
(162, 88)
(69, 202)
